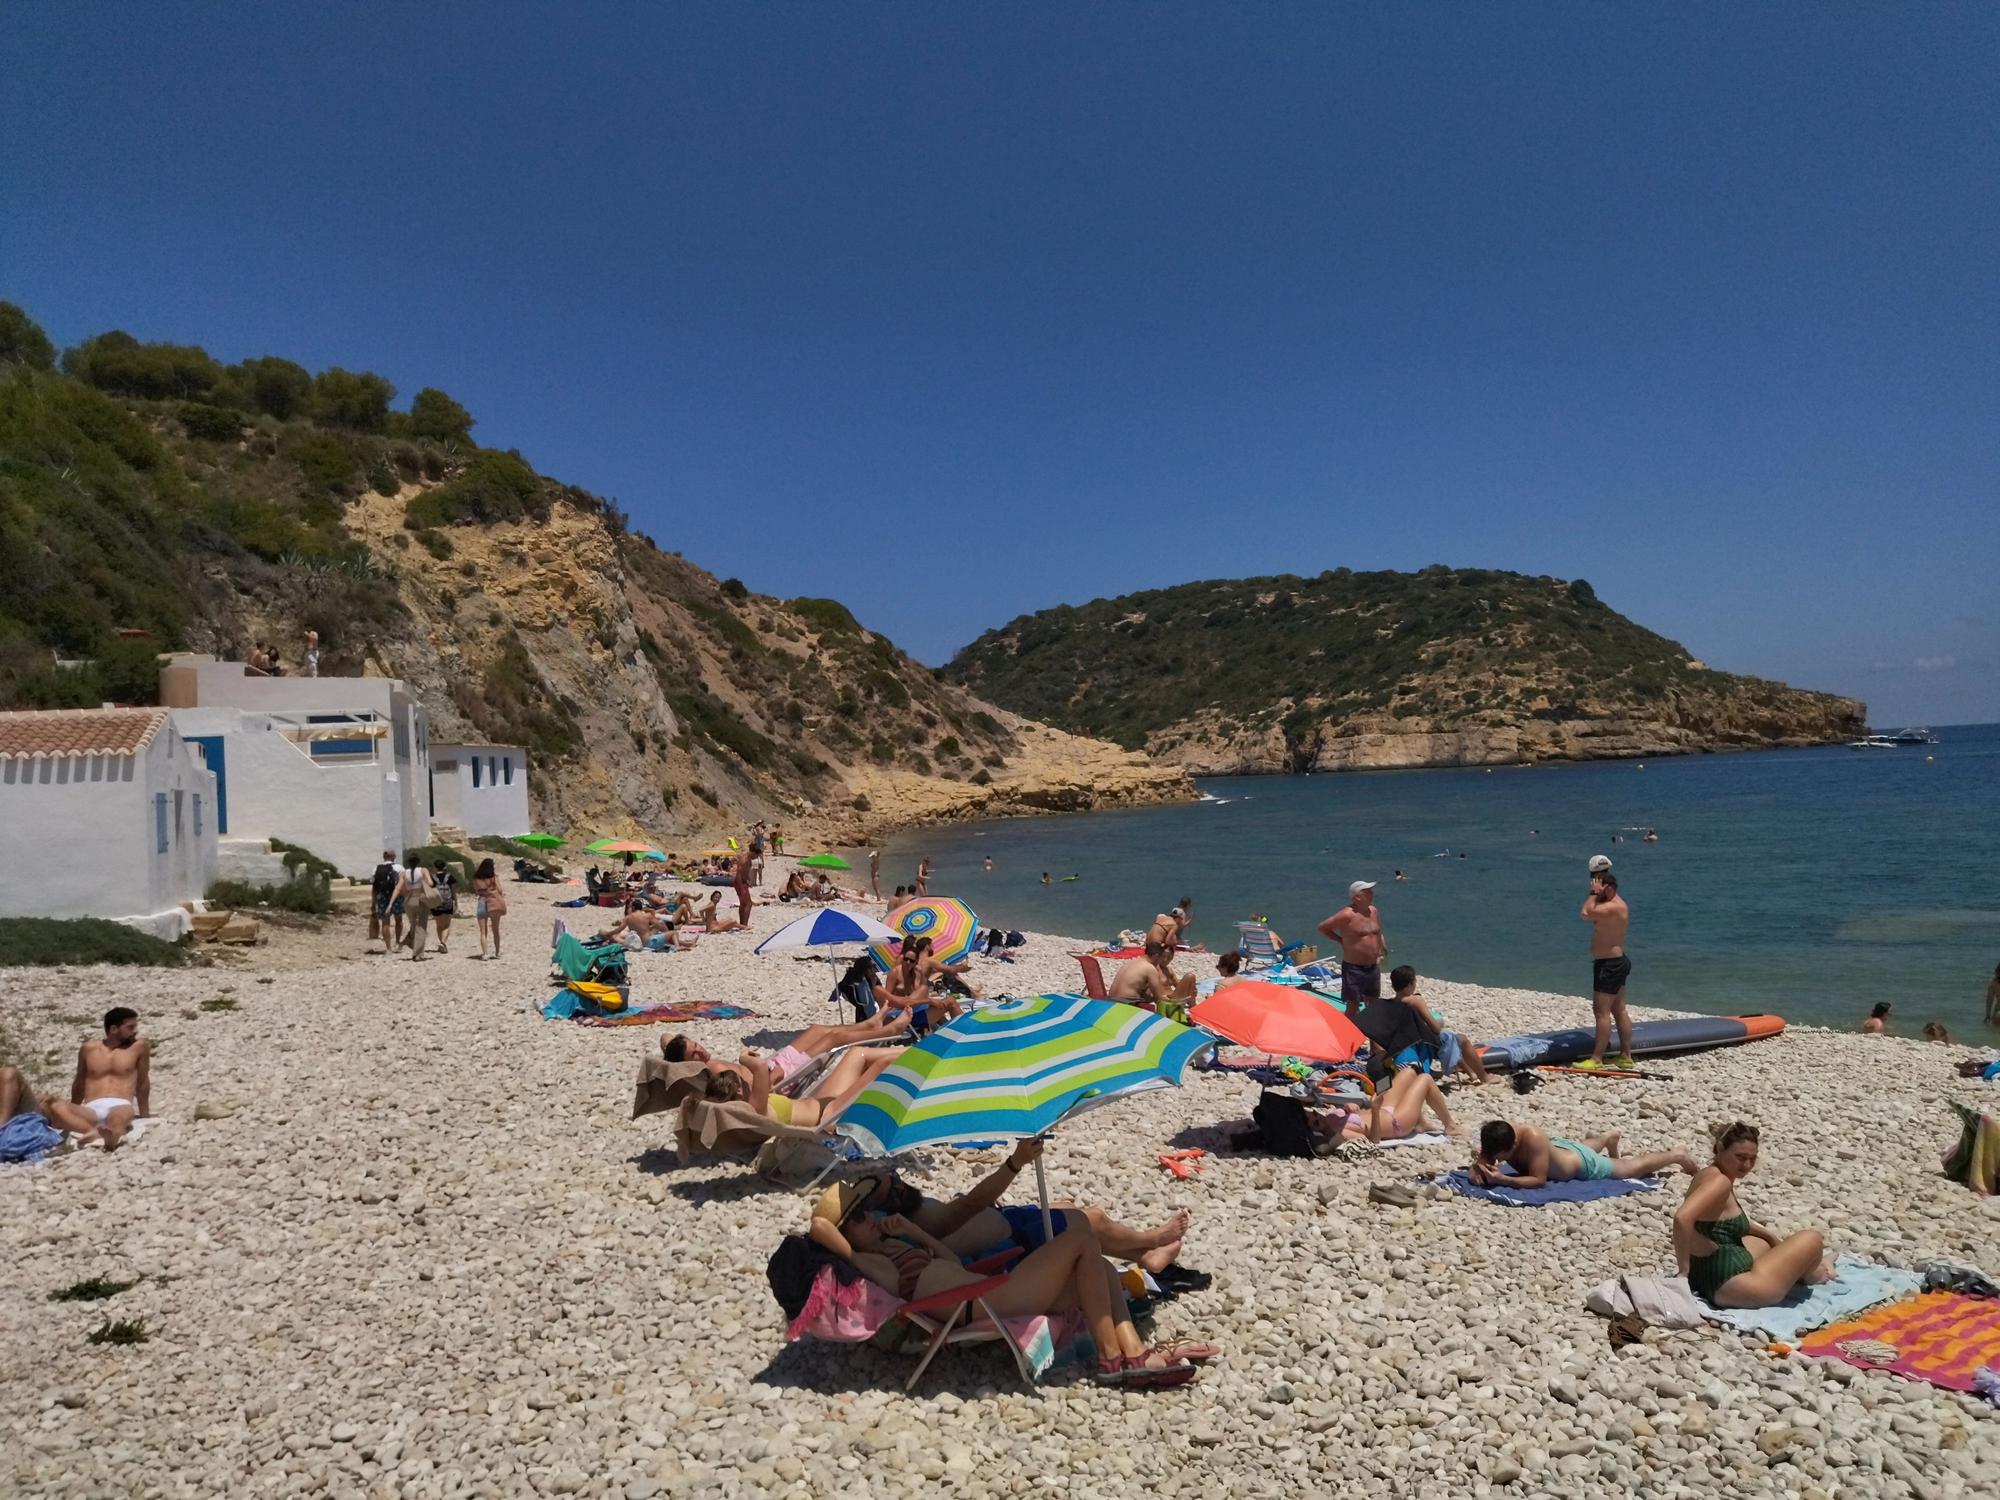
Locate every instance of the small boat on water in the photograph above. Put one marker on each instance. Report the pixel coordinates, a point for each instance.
(1915, 735)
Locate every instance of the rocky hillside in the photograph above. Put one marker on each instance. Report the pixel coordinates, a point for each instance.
(1352, 671)
(152, 498)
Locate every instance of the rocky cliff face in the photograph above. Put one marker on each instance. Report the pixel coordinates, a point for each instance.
(659, 701)
(1362, 671)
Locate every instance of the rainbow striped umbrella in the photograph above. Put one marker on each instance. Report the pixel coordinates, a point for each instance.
(949, 923)
(1011, 1071)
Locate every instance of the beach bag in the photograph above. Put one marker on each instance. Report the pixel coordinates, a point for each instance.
(496, 904)
(1282, 1119)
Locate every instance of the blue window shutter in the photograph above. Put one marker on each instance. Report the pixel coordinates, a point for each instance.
(197, 814)
(507, 768)
(475, 770)
(160, 820)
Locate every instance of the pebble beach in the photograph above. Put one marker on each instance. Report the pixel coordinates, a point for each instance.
(395, 1235)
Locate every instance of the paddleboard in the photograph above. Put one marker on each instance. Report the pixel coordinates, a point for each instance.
(1649, 1039)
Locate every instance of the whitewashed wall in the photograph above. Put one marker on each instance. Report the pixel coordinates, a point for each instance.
(498, 805)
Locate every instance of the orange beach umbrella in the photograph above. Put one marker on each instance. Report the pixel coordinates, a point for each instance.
(1278, 1019)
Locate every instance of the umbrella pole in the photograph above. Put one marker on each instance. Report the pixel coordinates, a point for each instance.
(1042, 1187)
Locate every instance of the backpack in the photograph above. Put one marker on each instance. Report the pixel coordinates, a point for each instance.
(1282, 1119)
(386, 876)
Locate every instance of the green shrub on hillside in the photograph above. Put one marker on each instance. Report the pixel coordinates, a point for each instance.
(213, 423)
(349, 398)
(326, 464)
(22, 340)
(436, 416)
(492, 487)
(276, 387)
(827, 616)
(116, 361)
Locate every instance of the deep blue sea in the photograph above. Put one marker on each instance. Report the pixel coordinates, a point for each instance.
(1811, 883)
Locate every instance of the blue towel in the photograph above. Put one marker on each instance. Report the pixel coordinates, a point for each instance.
(1576, 1191)
(564, 1005)
(1858, 1285)
(27, 1138)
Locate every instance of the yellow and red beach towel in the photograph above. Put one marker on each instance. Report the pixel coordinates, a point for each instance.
(1941, 1338)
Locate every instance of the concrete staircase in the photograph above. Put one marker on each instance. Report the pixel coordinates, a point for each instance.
(444, 833)
(250, 861)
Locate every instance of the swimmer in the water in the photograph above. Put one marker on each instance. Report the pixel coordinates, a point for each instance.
(1045, 877)
(1652, 837)
(1400, 875)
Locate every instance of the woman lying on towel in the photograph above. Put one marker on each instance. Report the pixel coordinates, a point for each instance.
(1393, 1114)
(1729, 1260)
(852, 1072)
(1067, 1272)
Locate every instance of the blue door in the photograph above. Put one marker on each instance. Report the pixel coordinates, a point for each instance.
(210, 746)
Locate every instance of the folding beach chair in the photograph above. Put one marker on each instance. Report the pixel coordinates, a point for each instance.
(1260, 947)
(1093, 977)
(859, 1312)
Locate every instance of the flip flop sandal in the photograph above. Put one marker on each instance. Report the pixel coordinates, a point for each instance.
(1357, 1150)
(1626, 1328)
(1194, 1351)
(1395, 1194)
(1132, 1375)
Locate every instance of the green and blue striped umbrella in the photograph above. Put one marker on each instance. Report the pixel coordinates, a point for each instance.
(1015, 1070)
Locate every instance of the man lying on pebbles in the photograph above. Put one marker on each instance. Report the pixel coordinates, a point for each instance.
(1539, 1158)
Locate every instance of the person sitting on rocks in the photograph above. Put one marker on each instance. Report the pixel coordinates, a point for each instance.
(1147, 981)
(1456, 1052)
(113, 1081)
(648, 927)
(942, 976)
(974, 1221)
(713, 917)
(1228, 970)
(1070, 1271)
(1539, 1158)
(908, 987)
(813, 1042)
(1728, 1259)
(1392, 1114)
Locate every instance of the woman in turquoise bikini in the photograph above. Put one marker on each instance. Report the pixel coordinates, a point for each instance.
(1728, 1260)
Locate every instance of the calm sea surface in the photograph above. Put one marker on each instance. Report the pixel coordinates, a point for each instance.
(1811, 883)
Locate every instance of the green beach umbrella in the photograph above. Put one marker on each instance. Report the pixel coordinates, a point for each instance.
(825, 862)
(540, 841)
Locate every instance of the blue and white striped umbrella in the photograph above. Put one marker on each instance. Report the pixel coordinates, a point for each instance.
(825, 928)
(1011, 1071)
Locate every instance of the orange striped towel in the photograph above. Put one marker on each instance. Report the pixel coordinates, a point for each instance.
(1939, 1337)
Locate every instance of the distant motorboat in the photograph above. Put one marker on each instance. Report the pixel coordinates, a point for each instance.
(1917, 734)
(1873, 742)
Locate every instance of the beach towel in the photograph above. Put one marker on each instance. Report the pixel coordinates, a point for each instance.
(1658, 1301)
(1975, 1160)
(1421, 1138)
(668, 1015)
(862, 1312)
(1940, 1338)
(1576, 1191)
(1858, 1285)
(27, 1138)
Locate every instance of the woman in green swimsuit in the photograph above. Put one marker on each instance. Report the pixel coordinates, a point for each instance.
(1728, 1260)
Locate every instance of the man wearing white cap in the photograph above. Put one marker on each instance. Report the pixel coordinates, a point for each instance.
(1357, 927)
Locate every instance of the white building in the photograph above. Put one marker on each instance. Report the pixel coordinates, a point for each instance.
(103, 813)
(482, 789)
(337, 765)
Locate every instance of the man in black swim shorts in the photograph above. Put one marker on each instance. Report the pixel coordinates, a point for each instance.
(1609, 918)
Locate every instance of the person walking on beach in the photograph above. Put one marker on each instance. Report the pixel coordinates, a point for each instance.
(489, 905)
(922, 887)
(413, 894)
(444, 902)
(386, 908)
(114, 1077)
(1357, 928)
(1993, 997)
(875, 872)
(1609, 918)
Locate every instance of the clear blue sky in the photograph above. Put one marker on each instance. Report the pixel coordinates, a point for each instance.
(954, 312)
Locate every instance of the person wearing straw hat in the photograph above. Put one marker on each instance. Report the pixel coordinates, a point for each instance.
(1070, 1271)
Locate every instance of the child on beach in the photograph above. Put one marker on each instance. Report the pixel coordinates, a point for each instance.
(1456, 1052)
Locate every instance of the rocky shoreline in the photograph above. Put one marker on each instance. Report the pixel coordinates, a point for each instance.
(398, 1237)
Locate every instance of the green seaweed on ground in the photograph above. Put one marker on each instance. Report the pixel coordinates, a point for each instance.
(91, 1289)
(220, 1002)
(122, 1331)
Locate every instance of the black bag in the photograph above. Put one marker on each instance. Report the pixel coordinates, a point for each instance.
(384, 883)
(1286, 1129)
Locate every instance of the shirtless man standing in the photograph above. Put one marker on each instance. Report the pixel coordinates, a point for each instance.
(113, 1078)
(1357, 927)
(741, 880)
(1609, 917)
(1539, 1158)
(1146, 981)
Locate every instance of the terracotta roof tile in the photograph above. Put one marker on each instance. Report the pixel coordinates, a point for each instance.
(62, 732)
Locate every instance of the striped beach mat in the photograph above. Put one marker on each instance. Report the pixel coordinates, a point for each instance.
(1941, 1338)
